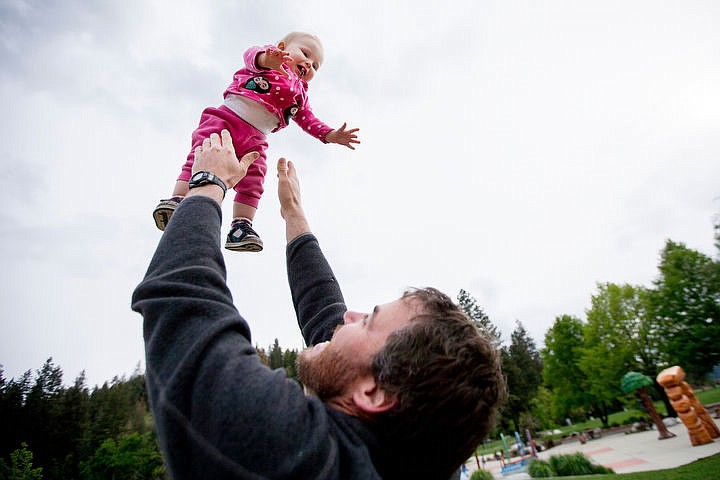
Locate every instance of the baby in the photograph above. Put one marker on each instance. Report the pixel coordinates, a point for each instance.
(262, 98)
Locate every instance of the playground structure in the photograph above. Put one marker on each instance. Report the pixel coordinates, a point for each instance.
(701, 427)
(521, 464)
(637, 382)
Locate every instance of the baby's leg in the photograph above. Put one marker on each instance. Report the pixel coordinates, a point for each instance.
(181, 188)
(241, 210)
(211, 120)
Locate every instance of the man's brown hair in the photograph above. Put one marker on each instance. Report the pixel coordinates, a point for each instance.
(447, 379)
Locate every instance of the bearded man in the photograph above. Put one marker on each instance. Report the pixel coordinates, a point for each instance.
(407, 390)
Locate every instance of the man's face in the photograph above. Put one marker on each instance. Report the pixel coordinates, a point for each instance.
(329, 369)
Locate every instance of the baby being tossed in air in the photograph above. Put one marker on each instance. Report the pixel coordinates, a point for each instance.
(262, 98)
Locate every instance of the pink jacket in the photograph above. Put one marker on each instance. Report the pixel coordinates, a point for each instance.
(285, 97)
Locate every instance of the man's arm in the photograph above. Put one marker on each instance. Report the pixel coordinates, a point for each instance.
(316, 294)
(291, 208)
(218, 411)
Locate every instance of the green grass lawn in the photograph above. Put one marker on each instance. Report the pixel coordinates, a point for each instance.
(709, 396)
(698, 470)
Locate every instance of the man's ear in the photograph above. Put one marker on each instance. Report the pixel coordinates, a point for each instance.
(281, 46)
(370, 398)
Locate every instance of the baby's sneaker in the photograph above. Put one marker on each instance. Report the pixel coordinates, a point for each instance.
(242, 237)
(164, 211)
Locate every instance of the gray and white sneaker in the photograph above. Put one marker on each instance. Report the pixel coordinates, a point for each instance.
(242, 237)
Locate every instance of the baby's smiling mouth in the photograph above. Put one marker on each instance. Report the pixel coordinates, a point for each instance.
(301, 69)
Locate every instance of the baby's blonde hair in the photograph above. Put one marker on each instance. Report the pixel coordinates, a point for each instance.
(294, 35)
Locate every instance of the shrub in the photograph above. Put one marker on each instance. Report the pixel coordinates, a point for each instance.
(481, 474)
(540, 469)
(575, 464)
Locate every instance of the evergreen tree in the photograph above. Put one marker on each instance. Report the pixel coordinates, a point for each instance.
(69, 413)
(12, 412)
(522, 368)
(290, 363)
(275, 357)
(40, 409)
(472, 309)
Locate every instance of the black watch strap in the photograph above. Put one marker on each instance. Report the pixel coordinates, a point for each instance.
(204, 178)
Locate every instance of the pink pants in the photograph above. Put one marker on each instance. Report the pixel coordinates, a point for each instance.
(246, 138)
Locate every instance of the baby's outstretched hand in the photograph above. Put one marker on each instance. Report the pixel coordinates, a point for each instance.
(274, 58)
(343, 137)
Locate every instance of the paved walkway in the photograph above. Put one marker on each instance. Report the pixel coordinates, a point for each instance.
(624, 453)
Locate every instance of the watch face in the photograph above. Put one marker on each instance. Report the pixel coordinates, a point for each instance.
(204, 178)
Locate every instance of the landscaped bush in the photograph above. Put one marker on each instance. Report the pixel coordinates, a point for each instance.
(540, 469)
(565, 466)
(481, 474)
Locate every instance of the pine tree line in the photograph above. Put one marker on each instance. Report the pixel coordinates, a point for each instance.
(51, 431)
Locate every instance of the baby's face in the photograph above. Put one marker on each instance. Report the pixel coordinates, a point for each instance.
(307, 55)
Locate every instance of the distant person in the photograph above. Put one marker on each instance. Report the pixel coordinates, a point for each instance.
(406, 391)
(262, 98)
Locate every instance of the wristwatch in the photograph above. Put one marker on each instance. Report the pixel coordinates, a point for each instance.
(203, 178)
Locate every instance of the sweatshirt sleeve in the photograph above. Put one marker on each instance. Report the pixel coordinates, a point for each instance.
(316, 294)
(250, 57)
(306, 119)
(218, 411)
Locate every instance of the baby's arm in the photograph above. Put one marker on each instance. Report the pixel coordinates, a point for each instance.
(343, 137)
(312, 125)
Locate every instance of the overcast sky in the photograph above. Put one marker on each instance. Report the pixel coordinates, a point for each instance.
(522, 151)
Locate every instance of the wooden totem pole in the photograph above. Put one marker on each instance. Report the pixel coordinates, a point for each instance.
(701, 427)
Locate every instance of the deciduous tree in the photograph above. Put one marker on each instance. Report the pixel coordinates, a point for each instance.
(686, 303)
(561, 366)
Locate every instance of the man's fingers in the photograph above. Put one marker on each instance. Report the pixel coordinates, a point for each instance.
(226, 137)
(286, 168)
(291, 169)
(214, 140)
(282, 166)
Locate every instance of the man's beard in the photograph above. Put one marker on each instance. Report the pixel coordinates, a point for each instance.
(329, 374)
